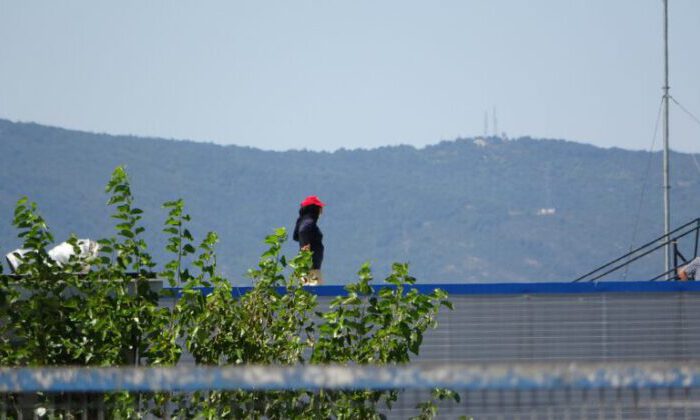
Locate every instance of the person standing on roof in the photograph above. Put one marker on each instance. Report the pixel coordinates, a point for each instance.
(309, 236)
(689, 271)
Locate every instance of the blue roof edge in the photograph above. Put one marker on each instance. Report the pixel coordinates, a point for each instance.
(509, 288)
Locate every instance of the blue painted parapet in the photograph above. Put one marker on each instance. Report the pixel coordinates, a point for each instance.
(506, 288)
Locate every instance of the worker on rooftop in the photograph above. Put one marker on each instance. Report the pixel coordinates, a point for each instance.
(309, 236)
(690, 270)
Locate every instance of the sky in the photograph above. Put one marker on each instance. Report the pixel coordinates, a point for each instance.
(324, 75)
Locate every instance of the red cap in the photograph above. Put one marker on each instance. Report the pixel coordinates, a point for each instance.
(312, 199)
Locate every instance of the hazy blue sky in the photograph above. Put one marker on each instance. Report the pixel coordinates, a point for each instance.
(328, 74)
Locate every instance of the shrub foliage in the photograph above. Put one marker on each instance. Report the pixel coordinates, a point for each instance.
(56, 315)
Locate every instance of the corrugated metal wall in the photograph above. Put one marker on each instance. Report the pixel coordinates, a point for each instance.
(572, 327)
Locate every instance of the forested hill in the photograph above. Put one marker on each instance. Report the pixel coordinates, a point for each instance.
(468, 210)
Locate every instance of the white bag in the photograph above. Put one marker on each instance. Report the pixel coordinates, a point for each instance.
(60, 254)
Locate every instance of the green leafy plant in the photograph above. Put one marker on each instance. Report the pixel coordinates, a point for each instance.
(55, 314)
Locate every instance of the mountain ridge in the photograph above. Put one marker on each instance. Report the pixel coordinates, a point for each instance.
(340, 149)
(465, 210)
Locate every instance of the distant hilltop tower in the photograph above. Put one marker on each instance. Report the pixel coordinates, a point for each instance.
(494, 127)
(486, 124)
(495, 123)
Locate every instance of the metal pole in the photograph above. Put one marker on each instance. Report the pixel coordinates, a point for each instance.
(667, 186)
(697, 237)
(675, 256)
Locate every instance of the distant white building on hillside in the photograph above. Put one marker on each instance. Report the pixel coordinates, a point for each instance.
(480, 142)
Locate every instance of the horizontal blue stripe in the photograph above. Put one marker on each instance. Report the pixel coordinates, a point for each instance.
(314, 377)
(512, 288)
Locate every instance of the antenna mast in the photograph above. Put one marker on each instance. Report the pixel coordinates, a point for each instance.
(495, 123)
(486, 124)
(667, 187)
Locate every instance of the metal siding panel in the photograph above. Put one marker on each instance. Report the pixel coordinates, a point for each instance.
(661, 326)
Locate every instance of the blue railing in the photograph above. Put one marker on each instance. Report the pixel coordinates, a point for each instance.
(474, 377)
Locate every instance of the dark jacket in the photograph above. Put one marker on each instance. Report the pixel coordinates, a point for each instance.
(308, 233)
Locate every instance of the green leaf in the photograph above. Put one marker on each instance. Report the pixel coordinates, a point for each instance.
(169, 204)
(126, 233)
